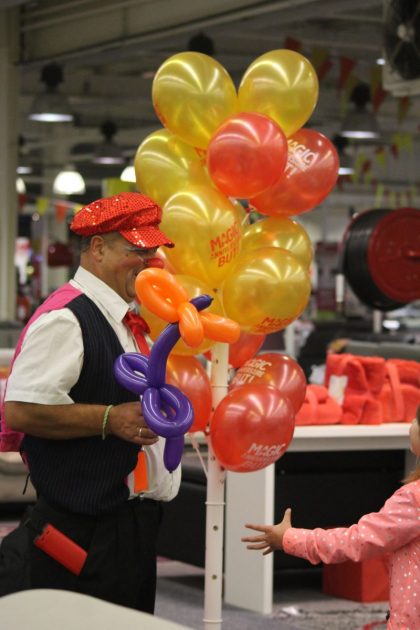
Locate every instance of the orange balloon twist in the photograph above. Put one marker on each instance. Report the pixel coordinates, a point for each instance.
(159, 291)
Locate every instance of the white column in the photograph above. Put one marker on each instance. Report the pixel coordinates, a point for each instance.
(56, 157)
(248, 574)
(8, 152)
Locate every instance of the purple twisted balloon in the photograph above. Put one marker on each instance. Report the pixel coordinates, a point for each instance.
(167, 411)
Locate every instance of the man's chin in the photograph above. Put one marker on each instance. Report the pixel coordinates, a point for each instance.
(131, 294)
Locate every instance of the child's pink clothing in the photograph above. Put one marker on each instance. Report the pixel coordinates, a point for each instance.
(395, 529)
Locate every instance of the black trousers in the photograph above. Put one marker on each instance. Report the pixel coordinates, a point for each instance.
(121, 546)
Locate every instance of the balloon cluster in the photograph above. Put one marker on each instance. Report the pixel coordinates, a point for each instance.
(166, 409)
(220, 145)
(222, 150)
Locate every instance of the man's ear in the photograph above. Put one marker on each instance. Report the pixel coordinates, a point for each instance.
(97, 247)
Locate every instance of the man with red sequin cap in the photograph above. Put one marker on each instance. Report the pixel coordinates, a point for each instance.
(81, 432)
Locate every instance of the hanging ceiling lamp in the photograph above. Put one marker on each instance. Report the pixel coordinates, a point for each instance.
(360, 123)
(20, 186)
(128, 174)
(69, 182)
(346, 161)
(51, 106)
(24, 165)
(201, 43)
(108, 152)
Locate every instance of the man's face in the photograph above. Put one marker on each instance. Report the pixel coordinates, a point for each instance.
(122, 262)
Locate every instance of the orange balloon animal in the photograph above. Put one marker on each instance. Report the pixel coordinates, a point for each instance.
(159, 291)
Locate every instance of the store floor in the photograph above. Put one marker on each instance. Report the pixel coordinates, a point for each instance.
(299, 603)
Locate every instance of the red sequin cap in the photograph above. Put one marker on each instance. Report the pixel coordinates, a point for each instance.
(135, 216)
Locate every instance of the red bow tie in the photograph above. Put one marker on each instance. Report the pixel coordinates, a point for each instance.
(139, 328)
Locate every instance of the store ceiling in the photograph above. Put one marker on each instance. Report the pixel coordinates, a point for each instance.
(109, 51)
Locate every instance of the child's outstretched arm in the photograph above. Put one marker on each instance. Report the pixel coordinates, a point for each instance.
(394, 526)
(271, 537)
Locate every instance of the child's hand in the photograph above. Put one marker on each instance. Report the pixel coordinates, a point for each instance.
(272, 535)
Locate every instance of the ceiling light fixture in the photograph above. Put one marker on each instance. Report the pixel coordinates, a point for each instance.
(346, 162)
(201, 43)
(108, 152)
(51, 106)
(128, 174)
(20, 186)
(69, 182)
(24, 166)
(360, 123)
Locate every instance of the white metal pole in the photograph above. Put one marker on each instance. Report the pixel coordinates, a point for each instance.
(215, 503)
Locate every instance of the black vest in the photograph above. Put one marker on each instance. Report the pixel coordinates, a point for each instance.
(87, 475)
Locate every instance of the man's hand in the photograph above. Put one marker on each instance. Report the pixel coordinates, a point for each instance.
(126, 422)
(272, 535)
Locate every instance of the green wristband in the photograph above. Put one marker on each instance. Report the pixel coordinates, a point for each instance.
(105, 420)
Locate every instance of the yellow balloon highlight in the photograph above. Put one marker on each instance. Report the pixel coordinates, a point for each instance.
(206, 229)
(165, 164)
(194, 288)
(278, 232)
(192, 95)
(266, 290)
(283, 85)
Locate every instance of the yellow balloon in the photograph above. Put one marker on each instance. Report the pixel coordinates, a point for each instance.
(164, 164)
(192, 95)
(279, 232)
(266, 290)
(283, 85)
(206, 229)
(194, 288)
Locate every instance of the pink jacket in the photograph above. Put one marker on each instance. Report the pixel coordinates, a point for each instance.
(395, 529)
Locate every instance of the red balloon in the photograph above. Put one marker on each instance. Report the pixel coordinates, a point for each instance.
(251, 428)
(277, 370)
(187, 373)
(245, 348)
(310, 174)
(247, 155)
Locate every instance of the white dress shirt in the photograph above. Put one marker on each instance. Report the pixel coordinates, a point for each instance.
(51, 360)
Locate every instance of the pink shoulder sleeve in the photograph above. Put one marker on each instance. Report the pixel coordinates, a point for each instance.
(394, 526)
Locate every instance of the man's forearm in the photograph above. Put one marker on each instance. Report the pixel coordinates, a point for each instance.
(57, 422)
